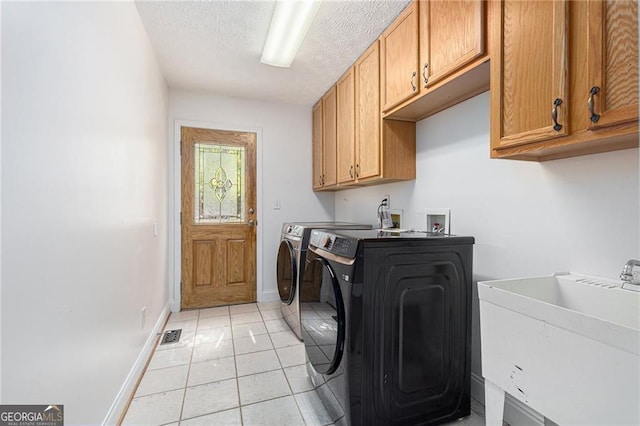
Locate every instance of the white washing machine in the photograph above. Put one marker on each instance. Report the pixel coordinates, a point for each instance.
(290, 265)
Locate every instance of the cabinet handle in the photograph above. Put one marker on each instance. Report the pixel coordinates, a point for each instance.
(424, 74)
(413, 87)
(592, 115)
(357, 170)
(554, 114)
(351, 171)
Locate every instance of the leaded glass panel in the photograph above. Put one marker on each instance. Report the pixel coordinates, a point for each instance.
(220, 188)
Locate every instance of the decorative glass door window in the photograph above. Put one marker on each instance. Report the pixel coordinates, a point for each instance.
(220, 188)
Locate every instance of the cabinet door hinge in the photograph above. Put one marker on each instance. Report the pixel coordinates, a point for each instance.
(181, 147)
(180, 218)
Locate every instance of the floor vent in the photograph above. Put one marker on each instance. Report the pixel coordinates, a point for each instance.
(171, 336)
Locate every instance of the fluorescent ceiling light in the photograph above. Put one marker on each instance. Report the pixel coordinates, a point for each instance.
(289, 25)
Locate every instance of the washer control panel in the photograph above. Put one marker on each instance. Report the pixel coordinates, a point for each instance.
(292, 230)
(334, 244)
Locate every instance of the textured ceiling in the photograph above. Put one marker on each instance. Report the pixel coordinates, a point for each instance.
(215, 47)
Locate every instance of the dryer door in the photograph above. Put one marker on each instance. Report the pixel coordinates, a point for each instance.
(286, 272)
(322, 315)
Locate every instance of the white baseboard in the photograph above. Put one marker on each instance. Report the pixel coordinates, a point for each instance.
(515, 412)
(269, 296)
(122, 399)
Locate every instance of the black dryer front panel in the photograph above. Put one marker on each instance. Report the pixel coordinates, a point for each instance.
(417, 334)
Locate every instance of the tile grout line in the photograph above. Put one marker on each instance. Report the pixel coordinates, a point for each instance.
(186, 383)
(282, 366)
(215, 381)
(295, 400)
(235, 365)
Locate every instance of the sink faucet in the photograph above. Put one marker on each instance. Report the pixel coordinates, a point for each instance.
(627, 273)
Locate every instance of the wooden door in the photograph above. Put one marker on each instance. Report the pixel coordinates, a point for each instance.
(346, 128)
(317, 145)
(367, 72)
(613, 62)
(399, 47)
(218, 217)
(451, 36)
(529, 72)
(329, 146)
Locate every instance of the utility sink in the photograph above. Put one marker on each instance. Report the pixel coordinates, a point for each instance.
(567, 345)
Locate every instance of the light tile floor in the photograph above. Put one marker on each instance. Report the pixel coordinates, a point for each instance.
(233, 365)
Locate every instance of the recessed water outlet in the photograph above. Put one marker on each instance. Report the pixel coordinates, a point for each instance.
(438, 221)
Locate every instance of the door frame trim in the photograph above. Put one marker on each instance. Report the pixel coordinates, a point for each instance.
(174, 236)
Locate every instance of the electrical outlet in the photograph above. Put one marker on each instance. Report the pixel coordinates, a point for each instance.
(143, 317)
(388, 198)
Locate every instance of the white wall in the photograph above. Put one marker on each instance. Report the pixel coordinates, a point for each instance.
(0, 204)
(284, 171)
(579, 214)
(83, 180)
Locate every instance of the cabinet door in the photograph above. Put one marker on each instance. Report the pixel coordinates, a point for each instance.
(399, 46)
(316, 142)
(346, 127)
(329, 117)
(451, 36)
(613, 62)
(529, 72)
(368, 113)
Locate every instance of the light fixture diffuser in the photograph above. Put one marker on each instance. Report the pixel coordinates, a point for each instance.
(289, 25)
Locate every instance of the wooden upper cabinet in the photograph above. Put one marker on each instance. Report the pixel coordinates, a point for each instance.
(612, 62)
(399, 62)
(346, 122)
(367, 149)
(582, 55)
(529, 72)
(329, 134)
(367, 73)
(316, 142)
(324, 128)
(451, 36)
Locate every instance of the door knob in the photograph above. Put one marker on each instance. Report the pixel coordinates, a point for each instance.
(251, 222)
